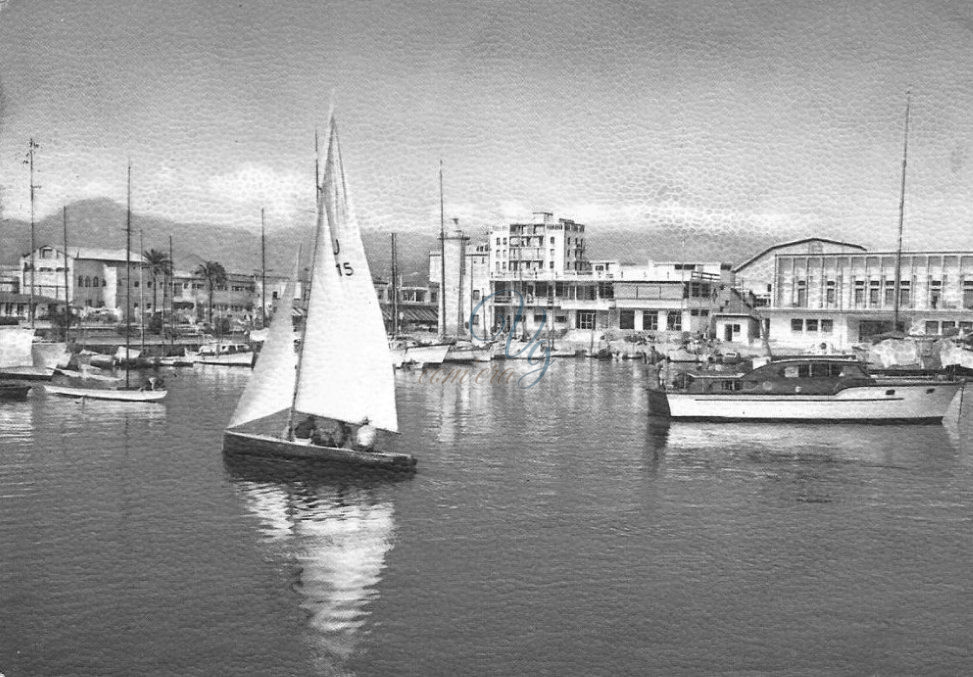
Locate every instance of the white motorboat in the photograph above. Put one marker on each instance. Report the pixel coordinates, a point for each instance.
(805, 389)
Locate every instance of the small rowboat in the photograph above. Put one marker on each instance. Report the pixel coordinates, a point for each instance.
(116, 394)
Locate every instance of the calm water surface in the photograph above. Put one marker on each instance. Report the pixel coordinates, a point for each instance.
(549, 531)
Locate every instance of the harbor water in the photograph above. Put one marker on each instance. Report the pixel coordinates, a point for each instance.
(552, 530)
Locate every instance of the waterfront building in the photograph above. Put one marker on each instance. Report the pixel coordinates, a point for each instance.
(95, 277)
(14, 307)
(234, 299)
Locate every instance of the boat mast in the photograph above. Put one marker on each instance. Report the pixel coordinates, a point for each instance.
(141, 293)
(263, 269)
(67, 296)
(442, 257)
(172, 299)
(898, 253)
(128, 273)
(286, 303)
(395, 290)
(31, 146)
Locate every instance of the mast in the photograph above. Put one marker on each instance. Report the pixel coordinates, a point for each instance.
(286, 304)
(128, 273)
(898, 253)
(172, 299)
(31, 146)
(395, 290)
(442, 257)
(67, 296)
(141, 292)
(263, 270)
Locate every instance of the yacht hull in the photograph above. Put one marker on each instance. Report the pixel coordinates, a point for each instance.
(887, 403)
(254, 444)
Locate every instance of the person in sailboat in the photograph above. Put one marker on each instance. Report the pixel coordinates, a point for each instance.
(365, 439)
(307, 429)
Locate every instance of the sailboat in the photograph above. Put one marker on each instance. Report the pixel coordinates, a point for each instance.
(338, 374)
(126, 393)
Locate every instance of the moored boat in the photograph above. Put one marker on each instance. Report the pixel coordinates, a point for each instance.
(341, 376)
(14, 391)
(130, 394)
(408, 351)
(806, 389)
(226, 354)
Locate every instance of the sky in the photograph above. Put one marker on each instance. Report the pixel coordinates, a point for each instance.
(769, 116)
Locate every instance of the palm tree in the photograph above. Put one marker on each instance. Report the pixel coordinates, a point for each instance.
(215, 274)
(158, 265)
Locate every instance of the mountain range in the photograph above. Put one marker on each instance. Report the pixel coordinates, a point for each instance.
(101, 223)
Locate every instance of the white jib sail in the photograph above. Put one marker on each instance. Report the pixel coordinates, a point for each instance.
(346, 367)
(271, 386)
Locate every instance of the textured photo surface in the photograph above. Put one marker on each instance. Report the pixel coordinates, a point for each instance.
(497, 338)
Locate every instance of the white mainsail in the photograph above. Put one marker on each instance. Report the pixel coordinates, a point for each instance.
(271, 386)
(346, 365)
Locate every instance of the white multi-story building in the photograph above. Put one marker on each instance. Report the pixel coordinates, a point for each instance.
(840, 294)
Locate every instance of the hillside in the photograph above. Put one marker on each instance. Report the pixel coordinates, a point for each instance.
(101, 223)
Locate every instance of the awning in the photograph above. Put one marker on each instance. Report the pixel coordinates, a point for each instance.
(412, 314)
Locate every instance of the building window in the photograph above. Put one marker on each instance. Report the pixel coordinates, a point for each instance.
(932, 327)
(650, 320)
(801, 301)
(87, 281)
(873, 294)
(811, 325)
(968, 294)
(889, 293)
(585, 319)
(829, 293)
(827, 326)
(95, 282)
(966, 326)
(80, 280)
(104, 282)
(476, 294)
(674, 320)
(626, 319)
(797, 325)
(859, 293)
(935, 294)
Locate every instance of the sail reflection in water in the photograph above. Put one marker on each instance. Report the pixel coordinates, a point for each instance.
(335, 531)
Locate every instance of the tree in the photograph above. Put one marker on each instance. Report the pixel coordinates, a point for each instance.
(159, 264)
(214, 274)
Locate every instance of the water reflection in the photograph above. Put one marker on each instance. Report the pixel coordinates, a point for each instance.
(17, 420)
(689, 444)
(334, 531)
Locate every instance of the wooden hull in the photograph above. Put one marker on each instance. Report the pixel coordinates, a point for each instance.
(912, 402)
(16, 392)
(26, 373)
(118, 395)
(253, 444)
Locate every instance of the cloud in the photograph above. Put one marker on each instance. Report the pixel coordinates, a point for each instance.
(251, 186)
